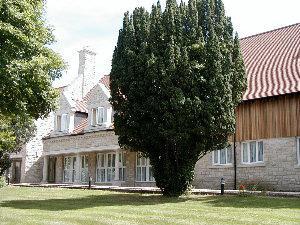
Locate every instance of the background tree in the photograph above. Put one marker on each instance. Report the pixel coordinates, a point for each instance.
(177, 76)
(27, 68)
(15, 131)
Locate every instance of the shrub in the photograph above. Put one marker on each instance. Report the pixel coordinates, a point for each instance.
(2, 181)
(256, 185)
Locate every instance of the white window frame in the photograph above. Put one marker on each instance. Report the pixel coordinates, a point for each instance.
(98, 116)
(64, 122)
(298, 149)
(84, 169)
(122, 166)
(109, 168)
(139, 167)
(219, 156)
(248, 152)
(70, 170)
(93, 117)
(58, 122)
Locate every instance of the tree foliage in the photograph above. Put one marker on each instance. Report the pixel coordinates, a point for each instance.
(15, 131)
(27, 68)
(177, 75)
(27, 64)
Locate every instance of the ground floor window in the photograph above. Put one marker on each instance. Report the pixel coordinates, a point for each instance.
(144, 170)
(252, 152)
(106, 165)
(122, 166)
(84, 168)
(69, 169)
(223, 156)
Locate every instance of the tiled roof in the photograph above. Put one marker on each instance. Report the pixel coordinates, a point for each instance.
(80, 127)
(272, 61)
(81, 106)
(106, 81)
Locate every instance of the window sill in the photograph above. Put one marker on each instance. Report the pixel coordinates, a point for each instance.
(251, 165)
(297, 166)
(221, 166)
(152, 181)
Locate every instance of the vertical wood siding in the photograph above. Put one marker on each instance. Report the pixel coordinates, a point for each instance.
(269, 118)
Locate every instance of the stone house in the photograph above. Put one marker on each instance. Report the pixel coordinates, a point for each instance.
(79, 142)
(266, 146)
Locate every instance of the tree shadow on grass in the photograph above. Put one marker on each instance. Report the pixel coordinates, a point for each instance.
(90, 202)
(114, 199)
(263, 202)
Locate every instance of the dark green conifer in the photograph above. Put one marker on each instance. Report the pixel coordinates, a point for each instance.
(177, 76)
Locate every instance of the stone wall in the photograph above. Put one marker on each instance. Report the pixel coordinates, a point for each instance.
(85, 142)
(279, 171)
(32, 161)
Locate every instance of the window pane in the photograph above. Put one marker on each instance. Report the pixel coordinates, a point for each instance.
(94, 116)
(108, 160)
(113, 160)
(124, 159)
(98, 177)
(109, 175)
(216, 153)
(58, 123)
(260, 151)
(124, 174)
(102, 175)
(144, 172)
(223, 156)
(253, 151)
(138, 173)
(245, 152)
(102, 160)
(229, 154)
(100, 115)
(143, 161)
(151, 178)
(138, 160)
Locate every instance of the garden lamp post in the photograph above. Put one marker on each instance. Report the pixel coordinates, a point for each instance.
(222, 185)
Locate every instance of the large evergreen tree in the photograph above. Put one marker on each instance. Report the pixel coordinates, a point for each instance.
(177, 76)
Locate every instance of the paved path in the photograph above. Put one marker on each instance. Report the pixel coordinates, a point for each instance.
(154, 190)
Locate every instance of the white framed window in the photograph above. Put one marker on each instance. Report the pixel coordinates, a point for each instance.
(64, 122)
(252, 152)
(58, 122)
(122, 166)
(298, 149)
(101, 168)
(69, 169)
(84, 176)
(106, 166)
(223, 156)
(144, 170)
(93, 117)
(99, 116)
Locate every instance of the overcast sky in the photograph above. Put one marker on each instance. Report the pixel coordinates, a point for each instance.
(95, 23)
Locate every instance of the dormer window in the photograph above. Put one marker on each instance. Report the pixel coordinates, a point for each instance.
(99, 116)
(62, 122)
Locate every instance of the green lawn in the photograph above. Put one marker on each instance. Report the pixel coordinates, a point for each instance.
(65, 206)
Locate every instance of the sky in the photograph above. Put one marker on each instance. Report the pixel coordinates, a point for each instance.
(96, 23)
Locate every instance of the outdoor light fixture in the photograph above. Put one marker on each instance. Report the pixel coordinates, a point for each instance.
(222, 185)
(90, 182)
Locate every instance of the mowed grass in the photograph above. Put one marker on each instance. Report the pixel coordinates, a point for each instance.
(19, 205)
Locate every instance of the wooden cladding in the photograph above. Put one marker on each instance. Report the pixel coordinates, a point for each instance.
(269, 118)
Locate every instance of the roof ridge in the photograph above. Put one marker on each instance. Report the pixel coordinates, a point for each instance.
(269, 31)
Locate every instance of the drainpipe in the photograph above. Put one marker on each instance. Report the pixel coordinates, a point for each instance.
(234, 159)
